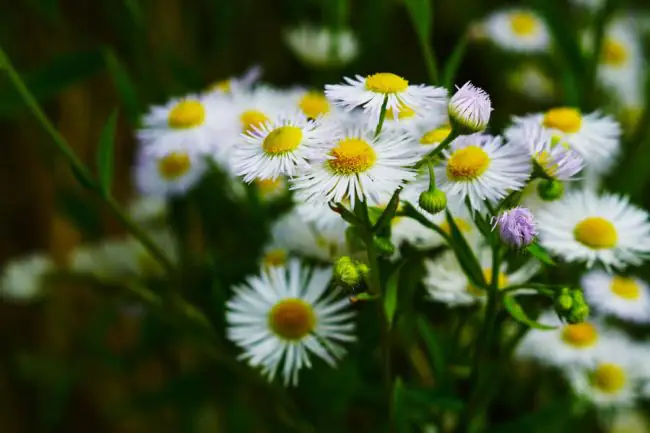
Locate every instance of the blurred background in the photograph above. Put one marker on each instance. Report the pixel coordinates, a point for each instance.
(91, 359)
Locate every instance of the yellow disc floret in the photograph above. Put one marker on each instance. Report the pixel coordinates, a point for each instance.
(385, 82)
(174, 165)
(467, 164)
(252, 118)
(403, 112)
(596, 233)
(292, 319)
(608, 378)
(351, 156)
(580, 335)
(566, 119)
(626, 288)
(314, 104)
(614, 53)
(523, 23)
(188, 113)
(282, 140)
(276, 257)
(435, 135)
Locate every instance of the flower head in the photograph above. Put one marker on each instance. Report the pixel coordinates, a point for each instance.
(517, 227)
(470, 108)
(625, 297)
(518, 30)
(22, 279)
(320, 46)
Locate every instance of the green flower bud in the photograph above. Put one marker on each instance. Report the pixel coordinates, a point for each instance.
(563, 304)
(384, 246)
(433, 201)
(346, 272)
(550, 190)
(578, 314)
(363, 269)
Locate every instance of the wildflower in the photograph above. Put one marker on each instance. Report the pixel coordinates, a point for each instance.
(22, 278)
(625, 297)
(320, 47)
(519, 30)
(470, 108)
(516, 227)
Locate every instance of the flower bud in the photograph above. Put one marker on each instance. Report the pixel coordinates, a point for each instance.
(578, 314)
(346, 272)
(564, 302)
(433, 201)
(516, 227)
(469, 109)
(550, 190)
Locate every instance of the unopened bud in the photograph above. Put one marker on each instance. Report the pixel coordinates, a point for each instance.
(578, 314)
(433, 201)
(346, 272)
(469, 109)
(563, 304)
(550, 190)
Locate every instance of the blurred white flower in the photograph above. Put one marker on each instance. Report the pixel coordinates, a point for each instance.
(320, 47)
(519, 30)
(22, 278)
(625, 297)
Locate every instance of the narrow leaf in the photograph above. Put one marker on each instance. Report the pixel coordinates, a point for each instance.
(105, 154)
(518, 313)
(123, 85)
(390, 298)
(399, 407)
(434, 348)
(465, 255)
(388, 213)
(453, 62)
(421, 16)
(540, 253)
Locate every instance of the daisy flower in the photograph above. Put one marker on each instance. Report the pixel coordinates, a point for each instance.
(519, 30)
(319, 46)
(313, 104)
(614, 375)
(21, 279)
(590, 228)
(557, 160)
(251, 108)
(369, 93)
(250, 77)
(565, 345)
(480, 167)
(430, 137)
(284, 316)
(594, 136)
(470, 108)
(350, 163)
(291, 234)
(168, 171)
(446, 282)
(532, 82)
(624, 297)
(274, 148)
(193, 122)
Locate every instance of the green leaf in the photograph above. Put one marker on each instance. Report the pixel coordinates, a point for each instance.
(348, 216)
(388, 213)
(518, 313)
(390, 297)
(540, 253)
(399, 407)
(105, 154)
(465, 255)
(83, 180)
(453, 62)
(51, 79)
(123, 85)
(421, 16)
(434, 348)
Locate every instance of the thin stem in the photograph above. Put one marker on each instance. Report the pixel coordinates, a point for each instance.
(432, 176)
(85, 176)
(413, 213)
(439, 148)
(382, 117)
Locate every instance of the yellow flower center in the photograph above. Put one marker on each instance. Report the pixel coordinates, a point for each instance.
(580, 335)
(385, 82)
(282, 140)
(404, 112)
(523, 23)
(276, 257)
(314, 104)
(614, 53)
(292, 319)
(252, 118)
(502, 282)
(608, 378)
(463, 226)
(269, 186)
(174, 165)
(467, 164)
(188, 113)
(547, 163)
(566, 119)
(626, 288)
(222, 86)
(596, 233)
(352, 155)
(435, 135)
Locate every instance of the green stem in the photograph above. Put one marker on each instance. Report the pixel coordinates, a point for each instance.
(453, 134)
(592, 68)
(411, 212)
(382, 117)
(432, 176)
(85, 176)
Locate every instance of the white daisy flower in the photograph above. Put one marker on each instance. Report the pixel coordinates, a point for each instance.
(555, 159)
(520, 30)
(284, 316)
(480, 167)
(291, 234)
(408, 119)
(565, 345)
(167, 171)
(319, 46)
(369, 93)
(274, 148)
(430, 136)
(237, 83)
(624, 297)
(614, 376)
(446, 282)
(192, 122)
(350, 163)
(313, 104)
(594, 136)
(21, 279)
(585, 227)
(470, 108)
(252, 108)
(532, 82)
